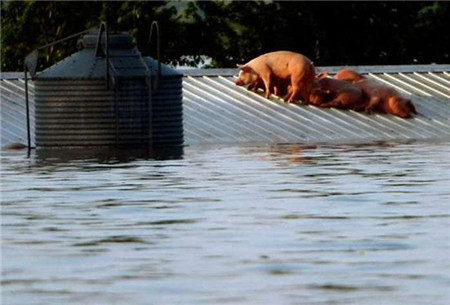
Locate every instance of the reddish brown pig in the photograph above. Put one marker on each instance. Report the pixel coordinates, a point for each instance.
(283, 65)
(328, 93)
(393, 104)
(349, 75)
(381, 98)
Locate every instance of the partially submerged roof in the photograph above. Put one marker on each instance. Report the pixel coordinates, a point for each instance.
(215, 111)
(218, 111)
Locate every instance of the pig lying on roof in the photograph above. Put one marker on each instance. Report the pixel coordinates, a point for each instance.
(334, 93)
(280, 65)
(381, 98)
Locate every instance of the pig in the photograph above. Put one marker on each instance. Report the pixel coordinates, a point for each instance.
(282, 65)
(329, 92)
(349, 75)
(393, 104)
(382, 98)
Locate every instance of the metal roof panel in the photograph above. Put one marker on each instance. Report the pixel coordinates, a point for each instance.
(215, 111)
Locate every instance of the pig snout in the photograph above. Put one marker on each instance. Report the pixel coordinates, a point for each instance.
(239, 82)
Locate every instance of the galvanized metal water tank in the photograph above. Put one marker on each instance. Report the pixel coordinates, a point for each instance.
(167, 107)
(74, 107)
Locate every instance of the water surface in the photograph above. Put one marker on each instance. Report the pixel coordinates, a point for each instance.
(280, 224)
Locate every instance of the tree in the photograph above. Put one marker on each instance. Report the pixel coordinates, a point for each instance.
(29, 25)
(230, 32)
(32, 24)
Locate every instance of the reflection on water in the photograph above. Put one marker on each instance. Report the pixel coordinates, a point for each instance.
(107, 154)
(281, 224)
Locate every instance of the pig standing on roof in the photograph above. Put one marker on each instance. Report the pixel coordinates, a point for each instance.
(277, 66)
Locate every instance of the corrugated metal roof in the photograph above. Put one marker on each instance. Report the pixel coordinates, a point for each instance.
(216, 111)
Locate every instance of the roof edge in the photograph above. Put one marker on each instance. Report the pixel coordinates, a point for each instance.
(333, 69)
(330, 69)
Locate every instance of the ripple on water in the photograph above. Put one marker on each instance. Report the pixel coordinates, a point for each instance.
(277, 224)
(112, 240)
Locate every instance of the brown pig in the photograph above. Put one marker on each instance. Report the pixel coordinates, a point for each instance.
(382, 98)
(283, 65)
(393, 104)
(328, 92)
(349, 75)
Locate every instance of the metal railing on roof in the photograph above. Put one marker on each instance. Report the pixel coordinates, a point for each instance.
(112, 75)
(30, 65)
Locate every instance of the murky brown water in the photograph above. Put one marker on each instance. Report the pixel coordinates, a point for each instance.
(287, 224)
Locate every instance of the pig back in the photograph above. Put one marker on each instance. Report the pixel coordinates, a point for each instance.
(336, 86)
(282, 64)
(375, 89)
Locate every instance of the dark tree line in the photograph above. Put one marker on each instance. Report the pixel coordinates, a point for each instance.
(230, 32)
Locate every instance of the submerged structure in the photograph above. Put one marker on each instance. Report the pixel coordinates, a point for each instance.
(83, 101)
(107, 94)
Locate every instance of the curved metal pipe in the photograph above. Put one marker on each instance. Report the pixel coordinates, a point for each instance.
(103, 28)
(32, 58)
(27, 107)
(155, 25)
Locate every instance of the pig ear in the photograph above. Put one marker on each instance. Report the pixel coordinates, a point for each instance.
(322, 75)
(411, 106)
(245, 68)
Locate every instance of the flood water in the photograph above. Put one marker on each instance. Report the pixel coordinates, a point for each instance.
(281, 224)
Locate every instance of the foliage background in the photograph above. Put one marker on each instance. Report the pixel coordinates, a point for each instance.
(230, 32)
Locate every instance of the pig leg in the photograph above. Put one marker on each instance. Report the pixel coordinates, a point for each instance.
(266, 75)
(267, 83)
(275, 90)
(412, 108)
(255, 86)
(305, 92)
(252, 87)
(288, 94)
(337, 103)
(361, 102)
(359, 105)
(307, 86)
(373, 103)
(295, 94)
(299, 89)
(292, 95)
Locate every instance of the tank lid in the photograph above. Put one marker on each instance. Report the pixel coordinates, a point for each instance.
(116, 41)
(125, 58)
(84, 65)
(165, 69)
